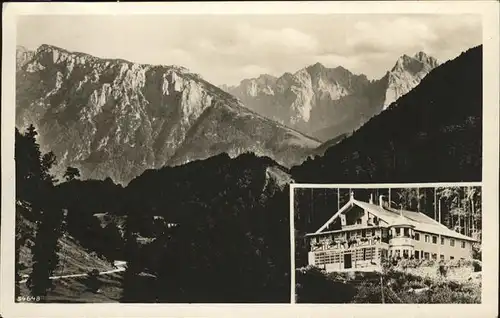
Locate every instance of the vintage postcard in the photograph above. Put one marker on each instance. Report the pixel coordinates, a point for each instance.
(250, 159)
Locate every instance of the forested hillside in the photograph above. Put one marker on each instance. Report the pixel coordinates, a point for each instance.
(231, 239)
(56, 231)
(215, 230)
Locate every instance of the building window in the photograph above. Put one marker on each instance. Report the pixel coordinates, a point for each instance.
(373, 232)
(426, 255)
(405, 253)
(422, 254)
(417, 236)
(417, 254)
(463, 244)
(363, 233)
(398, 232)
(434, 240)
(442, 240)
(383, 254)
(398, 253)
(358, 221)
(427, 239)
(451, 257)
(434, 256)
(452, 242)
(441, 257)
(406, 232)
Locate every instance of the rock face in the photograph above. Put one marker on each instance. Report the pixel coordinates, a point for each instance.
(328, 102)
(111, 117)
(23, 55)
(406, 74)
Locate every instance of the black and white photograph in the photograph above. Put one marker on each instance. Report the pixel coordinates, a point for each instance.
(133, 175)
(388, 245)
(180, 154)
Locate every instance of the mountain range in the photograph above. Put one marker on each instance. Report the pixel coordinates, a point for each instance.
(329, 102)
(114, 118)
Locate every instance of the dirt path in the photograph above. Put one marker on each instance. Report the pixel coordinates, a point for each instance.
(119, 269)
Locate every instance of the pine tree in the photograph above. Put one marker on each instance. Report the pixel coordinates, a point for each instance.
(131, 285)
(45, 258)
(35, 185)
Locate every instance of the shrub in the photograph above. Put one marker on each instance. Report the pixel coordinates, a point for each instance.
(477, 265)
(476, 251)
(368, 292)
(314, 286)
(442, 270)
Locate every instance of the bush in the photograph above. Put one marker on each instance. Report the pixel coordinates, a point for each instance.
(455, 293)
(314, 286)
(368, 293)
(477, 265)
(442, 270)
(476, 252)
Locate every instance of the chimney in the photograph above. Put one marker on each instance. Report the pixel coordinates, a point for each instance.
(371, 198)
(381, 201)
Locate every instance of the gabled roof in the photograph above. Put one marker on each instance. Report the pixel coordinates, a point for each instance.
(420, 221)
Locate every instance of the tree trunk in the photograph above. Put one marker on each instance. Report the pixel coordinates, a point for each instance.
(439, 202)
(311, 217)
(473, 217)
(465, 224)
(451, 219)
(435, 204)
(418, 199)
(338, 199)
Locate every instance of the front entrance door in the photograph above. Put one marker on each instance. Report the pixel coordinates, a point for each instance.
(347, 261)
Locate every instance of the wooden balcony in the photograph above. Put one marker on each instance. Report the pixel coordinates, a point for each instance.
(341, 245)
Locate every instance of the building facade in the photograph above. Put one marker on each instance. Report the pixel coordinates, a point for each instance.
(361, 235)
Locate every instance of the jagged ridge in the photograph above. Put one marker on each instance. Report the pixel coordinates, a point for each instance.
(329, 102)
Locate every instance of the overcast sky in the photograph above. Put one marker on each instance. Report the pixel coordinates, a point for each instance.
(225, 49)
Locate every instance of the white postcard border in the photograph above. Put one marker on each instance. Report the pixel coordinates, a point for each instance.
(488, 308)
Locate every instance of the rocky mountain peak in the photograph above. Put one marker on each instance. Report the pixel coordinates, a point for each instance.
(264, 83)
(316, 68)
(266, 78)
(416, 63)
(406, 74)
(426, 59)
